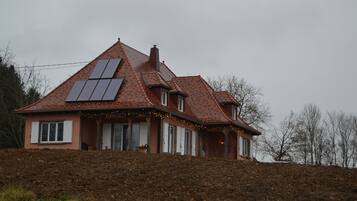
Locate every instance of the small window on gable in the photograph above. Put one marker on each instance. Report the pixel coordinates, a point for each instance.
(180, 103)
(164, 97)
(234, 112)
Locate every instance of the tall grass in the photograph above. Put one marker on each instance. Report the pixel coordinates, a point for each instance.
(18, 193)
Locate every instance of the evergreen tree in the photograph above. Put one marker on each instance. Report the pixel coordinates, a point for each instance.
(12, 96)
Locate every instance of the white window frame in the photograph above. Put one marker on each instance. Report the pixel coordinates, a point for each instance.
(187, 142)
(170, 138)
(180, 103)
(48, 123)
(164, 97)
(245, 147)
(234, 112)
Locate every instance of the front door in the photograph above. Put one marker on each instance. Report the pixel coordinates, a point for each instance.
(120, 137)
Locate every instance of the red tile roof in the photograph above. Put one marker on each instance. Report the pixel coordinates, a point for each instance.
(202, 101)
(154, 79)
(224, 97)
(175, 89)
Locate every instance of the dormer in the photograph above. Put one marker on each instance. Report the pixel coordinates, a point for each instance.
(177, 96)
(228, 103)
(158, 85)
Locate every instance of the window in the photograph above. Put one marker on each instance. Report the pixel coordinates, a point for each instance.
(164, 97)
(234, 112)
(187, 141)
(246, 147)
(168, 138)
(183, 140)
(51, 132)
(180, 103)
(135, 137)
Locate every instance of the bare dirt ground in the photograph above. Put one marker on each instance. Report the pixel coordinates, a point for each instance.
(138, 176)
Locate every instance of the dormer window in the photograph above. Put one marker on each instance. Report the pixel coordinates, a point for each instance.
(164, 97)
(180, 103)
(234, 112)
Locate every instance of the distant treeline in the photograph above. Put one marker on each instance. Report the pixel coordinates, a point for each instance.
(311, 137)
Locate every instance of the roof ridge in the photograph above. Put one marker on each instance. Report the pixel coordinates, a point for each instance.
(135, 74)
(62, 83)
(187, 76)
(161, 63)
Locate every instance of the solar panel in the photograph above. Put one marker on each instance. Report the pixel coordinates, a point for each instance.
(75, 91)
(98, 69)
(87, 90)
(111, 68)
(112, 89)
(100, 90)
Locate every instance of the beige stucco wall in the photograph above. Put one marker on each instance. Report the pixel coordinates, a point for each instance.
(53, 117)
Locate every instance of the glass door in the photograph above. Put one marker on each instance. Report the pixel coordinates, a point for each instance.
(120, 137)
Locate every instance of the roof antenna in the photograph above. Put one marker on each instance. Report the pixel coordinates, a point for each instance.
(118, 39)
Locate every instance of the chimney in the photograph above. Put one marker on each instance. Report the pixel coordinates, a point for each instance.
(154, 58)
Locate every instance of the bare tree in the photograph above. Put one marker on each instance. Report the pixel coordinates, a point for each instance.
(309, 128)
(280, 143)
(301, 143)
(345, 132)
(320, 145)
(354, 142)
(330, 125)
(251, 108)
(33, 80)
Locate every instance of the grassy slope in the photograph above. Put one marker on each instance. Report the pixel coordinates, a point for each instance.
(137, 176)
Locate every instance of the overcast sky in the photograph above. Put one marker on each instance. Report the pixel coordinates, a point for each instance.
(297, 52)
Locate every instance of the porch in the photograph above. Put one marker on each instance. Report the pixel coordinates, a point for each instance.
(152, 133)
(120, 132)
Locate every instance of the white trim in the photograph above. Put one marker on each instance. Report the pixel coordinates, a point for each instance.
(193, 143)
(251, 148)
(48, 123)
(165, 137)
(35, 130)
(234, 112)
(107, 136)
(240, 145)
(164, 97)
(180, 103)
(67, 131)
(143, 139)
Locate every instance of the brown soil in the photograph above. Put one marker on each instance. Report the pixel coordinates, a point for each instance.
(138, 176)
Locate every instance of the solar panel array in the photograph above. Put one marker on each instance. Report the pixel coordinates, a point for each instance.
(101, 86)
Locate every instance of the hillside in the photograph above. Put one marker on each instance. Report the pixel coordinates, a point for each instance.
(137, 176)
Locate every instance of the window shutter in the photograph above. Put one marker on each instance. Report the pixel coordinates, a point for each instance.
(193, 143)
(143, 133)
(183, 138)
(178, 139)
(165, 137)
(67, 131)
(251, 148)
(107, 136)
(240, 145)
(35, 130)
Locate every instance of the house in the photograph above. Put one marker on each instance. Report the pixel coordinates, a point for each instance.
(126, 100)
